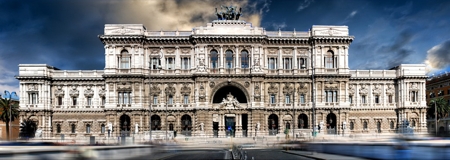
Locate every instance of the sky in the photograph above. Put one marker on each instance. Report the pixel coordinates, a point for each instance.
(64, 33)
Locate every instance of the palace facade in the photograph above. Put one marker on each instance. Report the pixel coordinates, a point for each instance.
(225, 78)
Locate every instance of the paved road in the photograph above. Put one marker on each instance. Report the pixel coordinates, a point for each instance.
(199, 155)
(258, 154)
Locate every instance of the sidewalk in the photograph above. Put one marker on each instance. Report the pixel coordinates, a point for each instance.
(321, 156)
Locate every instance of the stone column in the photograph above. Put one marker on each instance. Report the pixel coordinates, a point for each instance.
(221, 61)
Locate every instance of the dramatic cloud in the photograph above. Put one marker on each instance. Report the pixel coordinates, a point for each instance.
(64, 33)
(438, 57)
(304, 4)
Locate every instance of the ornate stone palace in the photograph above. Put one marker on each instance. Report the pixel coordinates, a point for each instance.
(225, 78)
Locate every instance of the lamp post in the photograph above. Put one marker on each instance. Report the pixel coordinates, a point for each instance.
(150, 99)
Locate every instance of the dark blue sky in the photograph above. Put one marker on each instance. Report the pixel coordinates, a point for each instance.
(64, 34)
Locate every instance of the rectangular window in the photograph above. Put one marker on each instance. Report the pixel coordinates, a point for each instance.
(125, 98)
(377, 99)
(74, 101)
(288, 99)
(287, 63)
(88, 128)
(155, 99)
(186, 63)
(33, 98)
(363, 99)
(170, 100)
(350, 99)
(170, 63)
(390, 98)
(302, 99)
(103, 101)
(301, 63)
(155, 63)
(103, 129)
(272, 99)
(186, 99)
(272, 63)
(331, 96)
(60, 101)
(329, 62)
(89, 101)
(414, 95)
(125, 62)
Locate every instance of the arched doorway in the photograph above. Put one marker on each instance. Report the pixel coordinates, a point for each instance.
(125, 124)
(273, 124)
(156, 122)
(331, 123)
(223, 92)
(186, 125)
(302, 121)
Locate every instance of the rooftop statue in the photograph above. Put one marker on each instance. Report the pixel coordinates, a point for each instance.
(228, 13)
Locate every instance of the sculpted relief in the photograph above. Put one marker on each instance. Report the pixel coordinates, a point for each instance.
(230, 102)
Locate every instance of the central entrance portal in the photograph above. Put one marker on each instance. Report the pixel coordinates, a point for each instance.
(230, 126)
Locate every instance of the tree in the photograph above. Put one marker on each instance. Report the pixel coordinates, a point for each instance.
(5, 112)
(27, 129)
(442, 108)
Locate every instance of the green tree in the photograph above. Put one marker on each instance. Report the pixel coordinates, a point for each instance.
(442, 108)
(8, 108)
(27, 129)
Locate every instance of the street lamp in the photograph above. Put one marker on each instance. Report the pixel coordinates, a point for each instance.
(150, 99)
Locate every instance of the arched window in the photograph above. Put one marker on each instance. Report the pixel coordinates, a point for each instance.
(365, 125)
(329, 60)
(379, 126)
(73, 128)
(413, 124)
(58, 128)
(103, 128)
(214, 57)
(391, 125)
(244, 59)
(352, 125)
(124, 60)
(229, 58)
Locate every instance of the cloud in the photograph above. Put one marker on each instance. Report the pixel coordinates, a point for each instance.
(351, 15)
(279, 25)
(64, 33)
(304, 4)
(438, 57)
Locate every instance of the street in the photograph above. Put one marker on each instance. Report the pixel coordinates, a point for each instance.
(258, 154)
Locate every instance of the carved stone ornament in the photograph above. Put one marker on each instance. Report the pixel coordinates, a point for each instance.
(59, 92)
(247, 84)
(390, 90)
(363, 90)
(123, 86)
(32, 87)
(273, 89)
(256, 68)
(74, 92)
(102, 92)
(185, 90)
(155, 90)
(351, 89)
(376, 90)
(89, 92)
(257, 93)
(202, 95)
(288, 89)
(212, 84)
(331, 85)
(201, 67)
(414, 86)
(303, 89)
(230, 102)
(170, 90)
